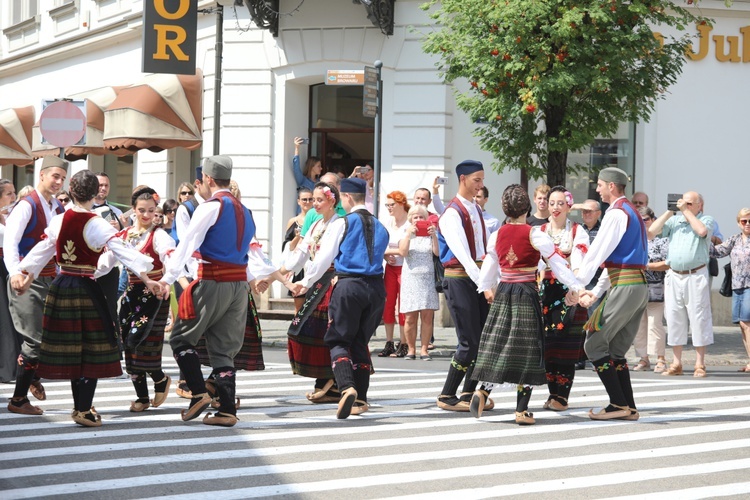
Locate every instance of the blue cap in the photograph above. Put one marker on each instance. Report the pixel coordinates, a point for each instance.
(353, 185)
(467, 167)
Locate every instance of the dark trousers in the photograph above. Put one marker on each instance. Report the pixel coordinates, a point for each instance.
(109, 284)
(469, 311)
(355, 310)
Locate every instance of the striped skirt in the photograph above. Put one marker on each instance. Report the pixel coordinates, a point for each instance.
(510, 349)
(563, 325)
(146, 356)
(78, 335)
(250, 357)
(308, 354)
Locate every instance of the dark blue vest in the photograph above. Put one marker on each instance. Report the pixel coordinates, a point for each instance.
(228, 240)
(354, 257)
(632, 251)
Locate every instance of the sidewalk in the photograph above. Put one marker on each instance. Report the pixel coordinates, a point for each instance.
(726, 350)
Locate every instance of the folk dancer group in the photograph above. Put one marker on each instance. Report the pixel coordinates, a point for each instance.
(507, 331)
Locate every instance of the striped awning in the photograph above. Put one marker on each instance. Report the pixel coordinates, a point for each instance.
(15, 136)
(161, 112)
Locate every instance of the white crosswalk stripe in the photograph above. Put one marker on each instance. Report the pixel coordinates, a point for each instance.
(692, 441)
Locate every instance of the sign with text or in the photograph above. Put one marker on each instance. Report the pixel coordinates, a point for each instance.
(345, 77)
(169, 36)
(370, 92)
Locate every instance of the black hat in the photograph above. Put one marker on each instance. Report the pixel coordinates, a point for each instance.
(467, 167)
(353, 185)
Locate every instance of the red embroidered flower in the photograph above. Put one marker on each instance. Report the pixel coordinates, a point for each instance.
(560, 326)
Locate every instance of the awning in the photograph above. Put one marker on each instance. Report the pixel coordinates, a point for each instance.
(164, 111)
(15, 136)
(97, 101)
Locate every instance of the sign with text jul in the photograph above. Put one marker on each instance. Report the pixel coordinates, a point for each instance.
(169, 36)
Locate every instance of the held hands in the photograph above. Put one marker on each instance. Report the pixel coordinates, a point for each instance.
(586, 298)
(158, 288)
(21, 282)
(296, 289)
(489, 295)
(571, 298)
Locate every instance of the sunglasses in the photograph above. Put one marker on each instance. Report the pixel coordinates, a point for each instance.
(305, 200)
(167, 212)
(647, 219)
(185, 193)
(390, 205)
(63, 200)
(744, 221)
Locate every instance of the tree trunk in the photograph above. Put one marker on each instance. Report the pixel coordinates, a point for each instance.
(557, 161)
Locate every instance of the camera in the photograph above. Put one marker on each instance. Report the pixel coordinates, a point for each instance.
(306, 140)
(672, 199)
(442, 180)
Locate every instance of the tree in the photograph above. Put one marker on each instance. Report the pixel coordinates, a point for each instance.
(549, 76)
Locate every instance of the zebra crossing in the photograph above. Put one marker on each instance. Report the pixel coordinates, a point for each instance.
(692, 440)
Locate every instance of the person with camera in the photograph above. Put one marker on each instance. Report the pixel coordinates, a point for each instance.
(418, 295)
(687, 293)
(306, 177)
(737, 247)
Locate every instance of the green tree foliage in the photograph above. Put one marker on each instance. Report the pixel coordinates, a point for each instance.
(549, 76)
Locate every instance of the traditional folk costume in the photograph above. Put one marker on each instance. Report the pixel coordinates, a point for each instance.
(308, 353)
(215, 304)
(512, 345)
(143, 318)
(563, 325)
(24, 228)
(463, 238)
(356, 245)
(79, 342)
(622, 246)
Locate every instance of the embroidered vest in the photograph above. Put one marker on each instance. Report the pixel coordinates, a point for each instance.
(632, 251)
(363, 246)
(74, 255)
(446, 255)
(37, 223)
(228, 240)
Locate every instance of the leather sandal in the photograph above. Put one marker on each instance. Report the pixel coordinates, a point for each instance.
(642, 365)
(661, 366)
(477, 404)
(87, 418)
(216, 404)
(387, 350)
(23, 407)
(222, 419)
(197, 405)
(137, 406)
(182, 390)
(37, 390)
(452, 403)
(556, 405)
(525, 418)
(673, 370)
(360, 407)
(700, 371)
(324, 394)
(634, 415)
(489, 404)
(161, 396)
(348, 397)
(603, 414)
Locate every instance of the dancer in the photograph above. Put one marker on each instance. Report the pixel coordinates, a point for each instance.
(563, 325)
(356, 245)
(621, 245)
(143, 316)
(511, 349)
(78, 335)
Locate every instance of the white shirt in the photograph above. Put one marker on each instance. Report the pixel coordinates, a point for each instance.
(453, 232)
(15, 225)
(395, 235)
(437, 204)
(97, 233)
(205, 216)
(300, 257)
(182, 217)
(164, 244)
(489, 276)
(329, 249)
(613, 227)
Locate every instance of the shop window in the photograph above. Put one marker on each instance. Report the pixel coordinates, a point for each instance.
(339, 134)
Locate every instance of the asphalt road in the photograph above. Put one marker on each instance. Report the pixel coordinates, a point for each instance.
(693, 441)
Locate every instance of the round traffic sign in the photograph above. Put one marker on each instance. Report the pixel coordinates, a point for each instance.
(62, 124)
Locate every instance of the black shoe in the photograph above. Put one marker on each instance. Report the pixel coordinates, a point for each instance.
(401, 351)
(387, 350)
(581, 365)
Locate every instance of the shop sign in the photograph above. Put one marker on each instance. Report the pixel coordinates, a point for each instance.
(733, 49)
(345, 77)
(169, 36)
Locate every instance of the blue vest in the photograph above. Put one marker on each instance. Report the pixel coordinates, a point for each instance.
(353, 257)
(632, 251)
(190, 205)
(228, 240)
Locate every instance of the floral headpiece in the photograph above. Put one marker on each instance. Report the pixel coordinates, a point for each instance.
(569, 198)
(156, 198)
(329, 194)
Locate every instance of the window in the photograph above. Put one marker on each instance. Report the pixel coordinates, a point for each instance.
(21, 10)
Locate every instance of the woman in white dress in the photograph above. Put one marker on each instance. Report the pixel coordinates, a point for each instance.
(418, 295)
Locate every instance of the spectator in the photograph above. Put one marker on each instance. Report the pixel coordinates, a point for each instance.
(418, 297)
(397, 224)
(687, 300)
(9, 341)
(64, 198)
(312, 215)
(308, 176)
(169, 211)
(368, 175)
(492, 223)
(184, 192)
(24, 192)
(651, 337)
(738, 249)
(541, 194)
(292, 235)
(639, 199)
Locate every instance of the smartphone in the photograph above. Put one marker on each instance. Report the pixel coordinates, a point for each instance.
(422, 226)
(306, 141)
(442, 180)
(672, 201)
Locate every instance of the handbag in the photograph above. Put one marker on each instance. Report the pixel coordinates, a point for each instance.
(713, 267)
(726, 285)
(439, 273)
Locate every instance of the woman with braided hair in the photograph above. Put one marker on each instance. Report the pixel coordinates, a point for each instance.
(143, 317)
(511, 346)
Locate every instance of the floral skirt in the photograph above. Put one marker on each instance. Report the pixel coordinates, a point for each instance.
(143, 318)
